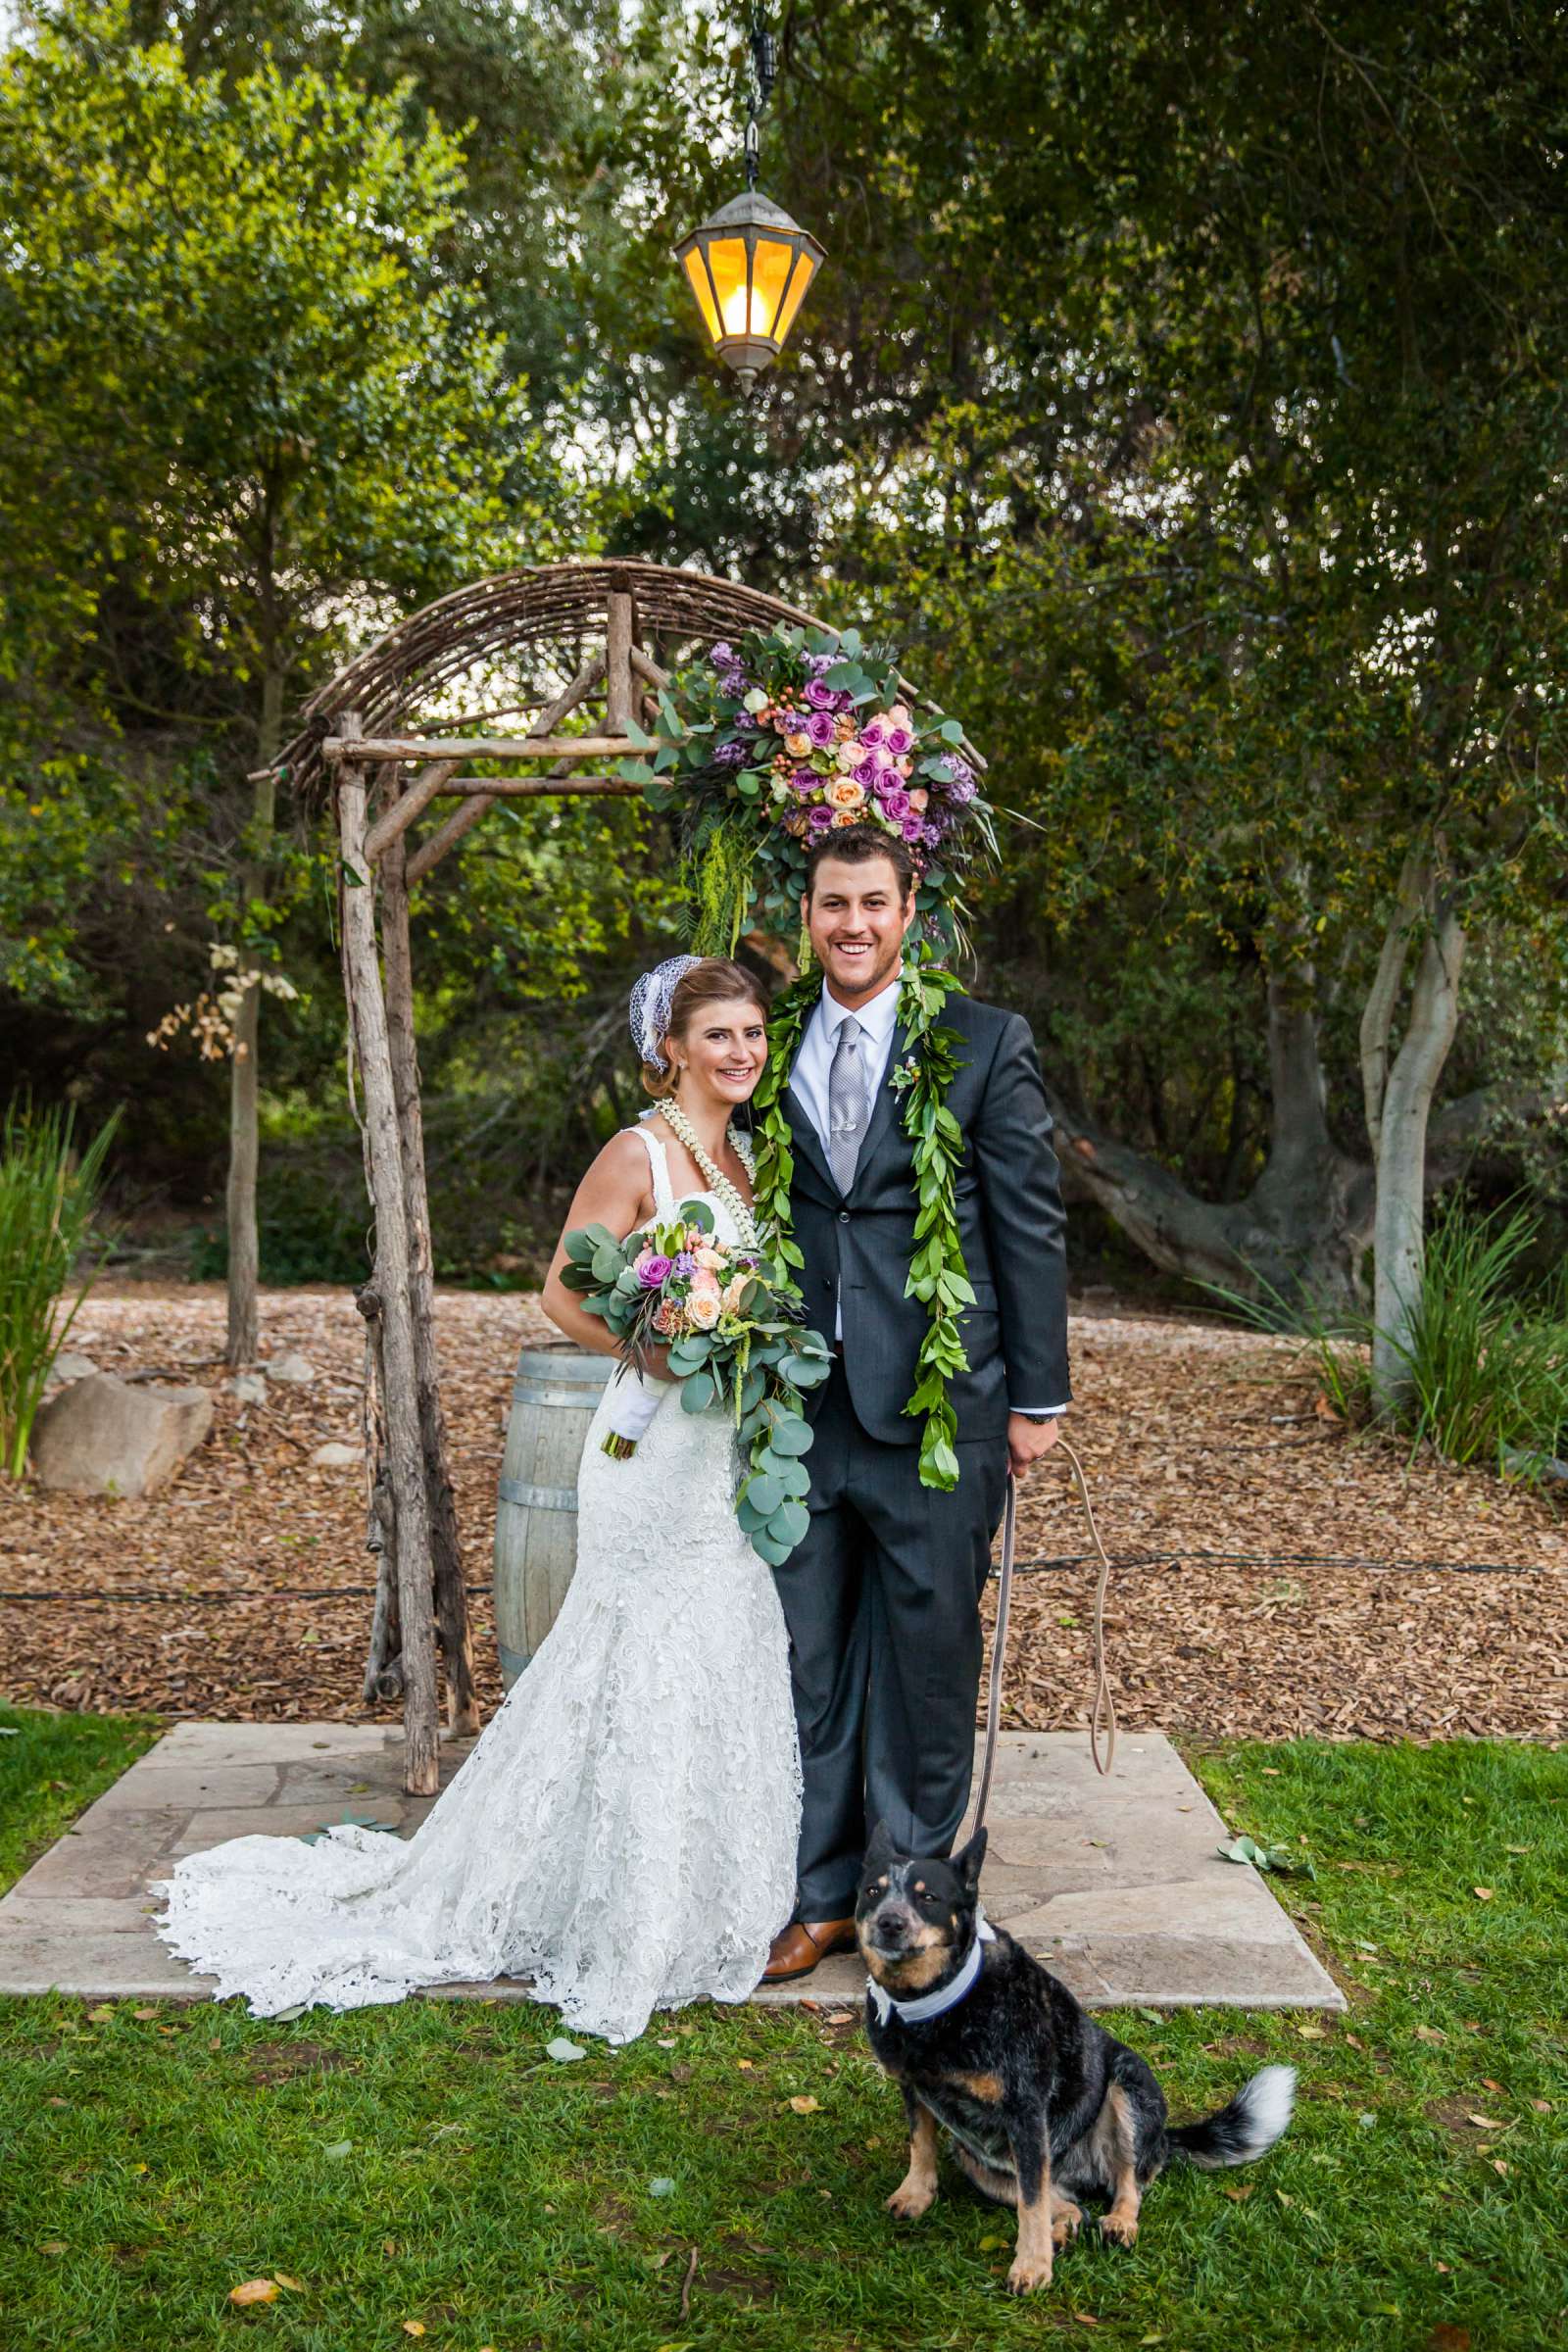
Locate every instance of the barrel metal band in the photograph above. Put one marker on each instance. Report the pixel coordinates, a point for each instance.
(537, 1498)
(577, 1400)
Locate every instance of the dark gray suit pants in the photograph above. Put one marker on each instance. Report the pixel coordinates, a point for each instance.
(882, 1600)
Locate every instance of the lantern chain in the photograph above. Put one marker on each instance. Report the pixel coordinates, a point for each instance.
(759, 86)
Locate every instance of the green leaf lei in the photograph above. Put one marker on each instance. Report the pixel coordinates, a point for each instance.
(937, 1272)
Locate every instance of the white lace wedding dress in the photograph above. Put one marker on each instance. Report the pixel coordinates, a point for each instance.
(623, 1832)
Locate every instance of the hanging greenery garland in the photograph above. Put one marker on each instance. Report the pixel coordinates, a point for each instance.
(770, 745)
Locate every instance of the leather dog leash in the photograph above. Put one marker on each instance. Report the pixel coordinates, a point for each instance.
(1104, 1705)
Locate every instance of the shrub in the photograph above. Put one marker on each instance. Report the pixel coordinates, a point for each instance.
(48, 1200)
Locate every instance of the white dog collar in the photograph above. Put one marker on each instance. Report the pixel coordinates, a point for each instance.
(932, 2004)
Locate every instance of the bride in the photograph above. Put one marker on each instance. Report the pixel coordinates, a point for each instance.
(624, 1834)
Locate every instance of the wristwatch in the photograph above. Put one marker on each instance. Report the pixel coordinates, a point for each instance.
(1035, 1418)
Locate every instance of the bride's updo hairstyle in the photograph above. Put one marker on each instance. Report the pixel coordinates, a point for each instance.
(712, 980)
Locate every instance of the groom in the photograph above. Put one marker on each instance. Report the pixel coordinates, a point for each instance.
(882, 1599)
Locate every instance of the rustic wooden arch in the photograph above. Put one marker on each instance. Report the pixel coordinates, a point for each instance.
(379, 746)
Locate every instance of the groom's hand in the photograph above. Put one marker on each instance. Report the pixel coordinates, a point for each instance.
(1027, 1441)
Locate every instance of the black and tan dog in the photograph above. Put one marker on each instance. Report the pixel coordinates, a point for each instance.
(1043, 2106)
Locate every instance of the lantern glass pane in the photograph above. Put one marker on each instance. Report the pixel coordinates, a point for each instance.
(804, 271)
(770, 270)
(704, 292)
(726, 257)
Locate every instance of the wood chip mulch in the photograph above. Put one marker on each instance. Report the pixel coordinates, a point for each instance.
(1273, 1573)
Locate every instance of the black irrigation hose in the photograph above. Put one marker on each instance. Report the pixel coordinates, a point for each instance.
(1074, 1559)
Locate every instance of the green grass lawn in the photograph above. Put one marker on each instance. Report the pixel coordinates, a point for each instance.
(427, 2169)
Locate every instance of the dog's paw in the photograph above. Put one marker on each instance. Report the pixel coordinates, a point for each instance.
(1120, 2227)
(1028, 2271)
(1066, 2223)
(910, 2199)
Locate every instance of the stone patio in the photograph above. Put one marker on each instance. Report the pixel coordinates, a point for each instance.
(1114, 1884)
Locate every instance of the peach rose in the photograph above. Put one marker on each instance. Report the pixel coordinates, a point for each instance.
(846, 816)
(844, 793)
(919, 797)
(734, 1293)
(899, 716)
(799, 747)
(845, 728)
(709, 1259)
(705, 1308)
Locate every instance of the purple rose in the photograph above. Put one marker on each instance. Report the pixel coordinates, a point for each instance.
(818, 729)
(914, 828)
(866, 772)
(823, 697)
(900, 742)
(874, 732)
(654, 1273)
(731, 753)
(819, 819)
(883, 761)
(892, 800)
(807, 779)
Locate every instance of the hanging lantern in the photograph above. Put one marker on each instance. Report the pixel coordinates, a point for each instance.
(749, 267)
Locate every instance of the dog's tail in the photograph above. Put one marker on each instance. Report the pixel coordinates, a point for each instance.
(1253, 2120)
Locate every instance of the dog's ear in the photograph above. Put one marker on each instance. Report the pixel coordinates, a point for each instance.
(968, 1864)
(881, 1849)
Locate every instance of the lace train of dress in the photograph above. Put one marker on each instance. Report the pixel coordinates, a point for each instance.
(625, 1831)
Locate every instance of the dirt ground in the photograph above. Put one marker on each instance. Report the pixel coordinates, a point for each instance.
(1273, 1573)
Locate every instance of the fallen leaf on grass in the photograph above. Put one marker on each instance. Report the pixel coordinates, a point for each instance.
(663, 2186)
(413, 2327)
(295, 2285)
(988, 2245)
(1487, 2123)
(1278, 1858)
(1481, 1893)
(1237, 2196)
(254, 2290)
(805, 2106)
(1431, 2033)
(563, 2051)
(336, 2150)
(53, 2245)
(746, 2066)
(1542, 2106)
(100, 2017)
(1445, 2337)
(144, 2014)
(1313, 2033)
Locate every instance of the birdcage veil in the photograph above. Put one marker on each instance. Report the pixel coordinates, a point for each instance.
(651, 999)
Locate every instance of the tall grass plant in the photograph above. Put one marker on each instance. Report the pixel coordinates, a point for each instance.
(49, 1196)
(1484, 1367)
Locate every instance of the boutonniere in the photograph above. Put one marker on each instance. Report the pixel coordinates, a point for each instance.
(903, 1075)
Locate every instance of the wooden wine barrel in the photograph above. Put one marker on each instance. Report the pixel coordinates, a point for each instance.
(552, 1401)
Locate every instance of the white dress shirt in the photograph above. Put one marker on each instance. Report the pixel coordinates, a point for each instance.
(878, 1017)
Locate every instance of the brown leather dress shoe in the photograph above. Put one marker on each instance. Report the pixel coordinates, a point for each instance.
(797, 1949)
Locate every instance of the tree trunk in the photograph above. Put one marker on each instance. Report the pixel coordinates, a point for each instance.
(1404, 1107)
(1305, 1225)
(244, 1253)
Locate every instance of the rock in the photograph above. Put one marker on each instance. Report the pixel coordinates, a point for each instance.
(249, 1387)
(293, 1370)
(1551, 1471)
(103, 1436)
(67, 1367)
(335, 1457)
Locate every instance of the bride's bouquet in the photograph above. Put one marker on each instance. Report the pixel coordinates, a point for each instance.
(737, 1343)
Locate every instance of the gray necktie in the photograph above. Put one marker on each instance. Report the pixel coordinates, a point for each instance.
(847, 1103)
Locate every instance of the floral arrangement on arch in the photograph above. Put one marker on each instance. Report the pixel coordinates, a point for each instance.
(781, 736)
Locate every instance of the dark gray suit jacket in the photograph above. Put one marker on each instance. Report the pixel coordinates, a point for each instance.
(1010, 1222)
